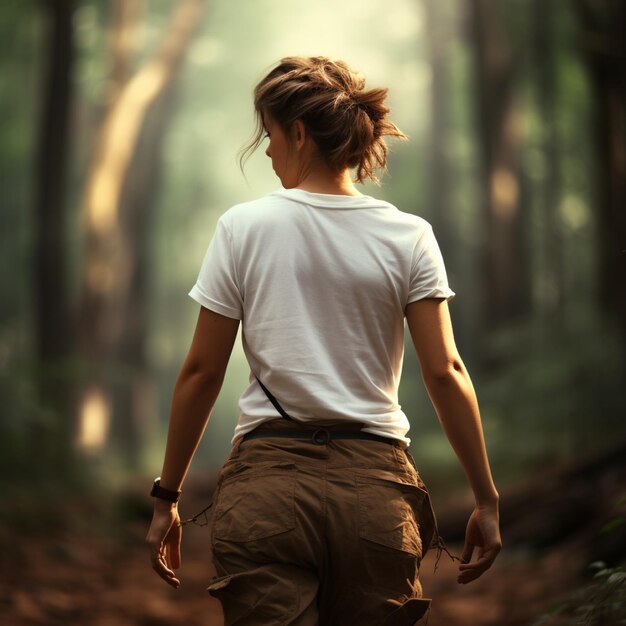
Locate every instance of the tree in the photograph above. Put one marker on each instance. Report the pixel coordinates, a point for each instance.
(51, 321)
(603, 44)
(546, 77)
(439, 170)
(121, 182)
(499, 126)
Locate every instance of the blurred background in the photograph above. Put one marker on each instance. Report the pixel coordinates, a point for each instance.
(121, 122)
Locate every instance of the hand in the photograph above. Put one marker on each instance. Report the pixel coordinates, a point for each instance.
(483, 532)
(164, 537)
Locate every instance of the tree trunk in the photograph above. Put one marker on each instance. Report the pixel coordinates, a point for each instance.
(443, 176)
(499, 120)
(52, 326)
(552, 304)
(135, 397)
(438, 166)
(603, 25)
(117, 216)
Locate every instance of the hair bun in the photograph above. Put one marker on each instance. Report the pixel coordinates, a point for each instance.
(373, 102)
(346, 121)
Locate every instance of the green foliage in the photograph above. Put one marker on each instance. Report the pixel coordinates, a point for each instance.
(602, 602)
(544, 396)
(553, 394)
(613, 524)
(607, 596)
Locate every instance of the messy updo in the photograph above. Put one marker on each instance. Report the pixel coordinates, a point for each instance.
(346, 121)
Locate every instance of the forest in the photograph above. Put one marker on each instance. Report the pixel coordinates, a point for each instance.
(122, 121)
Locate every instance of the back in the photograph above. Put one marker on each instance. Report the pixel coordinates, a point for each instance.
(321, 283)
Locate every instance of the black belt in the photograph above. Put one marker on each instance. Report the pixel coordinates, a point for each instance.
(321, 436)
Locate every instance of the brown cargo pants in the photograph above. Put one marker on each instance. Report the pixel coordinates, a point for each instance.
(307, 533)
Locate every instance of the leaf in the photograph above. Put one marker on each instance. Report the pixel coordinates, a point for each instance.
(617, 577)
(597, 565)
(612, 525)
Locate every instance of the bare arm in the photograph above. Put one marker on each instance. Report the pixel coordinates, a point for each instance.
(452, 394)
(196, 390)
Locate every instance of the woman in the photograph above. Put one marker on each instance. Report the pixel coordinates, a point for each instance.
(319, 515)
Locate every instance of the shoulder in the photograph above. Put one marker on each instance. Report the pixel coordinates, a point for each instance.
(254, 211)
(417, 225)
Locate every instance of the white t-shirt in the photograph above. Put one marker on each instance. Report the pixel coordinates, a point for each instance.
(321, 283)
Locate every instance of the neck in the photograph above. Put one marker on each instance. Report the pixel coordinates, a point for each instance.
(323, 180)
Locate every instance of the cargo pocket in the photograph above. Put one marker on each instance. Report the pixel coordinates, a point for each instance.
(395, 515)
(263, 595)
(411, 612)
(253, 506)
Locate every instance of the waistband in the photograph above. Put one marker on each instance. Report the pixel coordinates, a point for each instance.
(318, 436)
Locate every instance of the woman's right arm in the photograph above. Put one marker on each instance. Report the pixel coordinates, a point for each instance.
(197, 387)
(452, 394)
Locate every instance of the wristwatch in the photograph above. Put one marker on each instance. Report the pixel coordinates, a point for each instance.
(162, 493)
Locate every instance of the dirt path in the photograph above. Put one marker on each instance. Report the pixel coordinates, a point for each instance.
(98, 578)
(98, 574)
(79, 579)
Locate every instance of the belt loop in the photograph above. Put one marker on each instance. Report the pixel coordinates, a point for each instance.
(237, 444)
(409, 456)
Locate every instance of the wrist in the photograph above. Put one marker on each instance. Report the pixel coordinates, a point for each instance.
(164, 505)
(488, 501)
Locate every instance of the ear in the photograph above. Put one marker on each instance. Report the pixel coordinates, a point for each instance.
(298, 134)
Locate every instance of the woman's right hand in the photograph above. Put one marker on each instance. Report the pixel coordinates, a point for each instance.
(482, 534)
(163, 539)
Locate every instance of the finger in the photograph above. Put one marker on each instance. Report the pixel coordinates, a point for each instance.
(482, 563)
(485, 558)
(472, 571)
(174, 541)
(467, 577)
(159, 563)
(468, 550)
(160, 567)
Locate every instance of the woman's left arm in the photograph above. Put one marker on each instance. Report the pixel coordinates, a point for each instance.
(196, 390)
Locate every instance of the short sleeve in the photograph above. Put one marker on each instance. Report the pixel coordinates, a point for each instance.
(428, 272)
(217, 287)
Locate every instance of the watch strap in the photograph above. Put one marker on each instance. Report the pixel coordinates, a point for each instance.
(162, 493)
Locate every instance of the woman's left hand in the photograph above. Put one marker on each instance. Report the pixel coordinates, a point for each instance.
(164, 537)
(482, 533)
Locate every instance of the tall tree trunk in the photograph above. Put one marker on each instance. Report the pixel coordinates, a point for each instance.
(545, 62)
(499, 121)
(438, 166)
(135, 397)
(443, 176)
(117, 218)
(52, 326)
(603, 25)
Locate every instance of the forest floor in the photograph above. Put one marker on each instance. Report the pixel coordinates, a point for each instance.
(80, 582)
(96, 572)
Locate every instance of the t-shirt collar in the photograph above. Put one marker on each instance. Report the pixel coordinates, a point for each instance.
(330, 201)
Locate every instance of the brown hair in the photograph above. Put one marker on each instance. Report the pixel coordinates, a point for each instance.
(346, 121)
